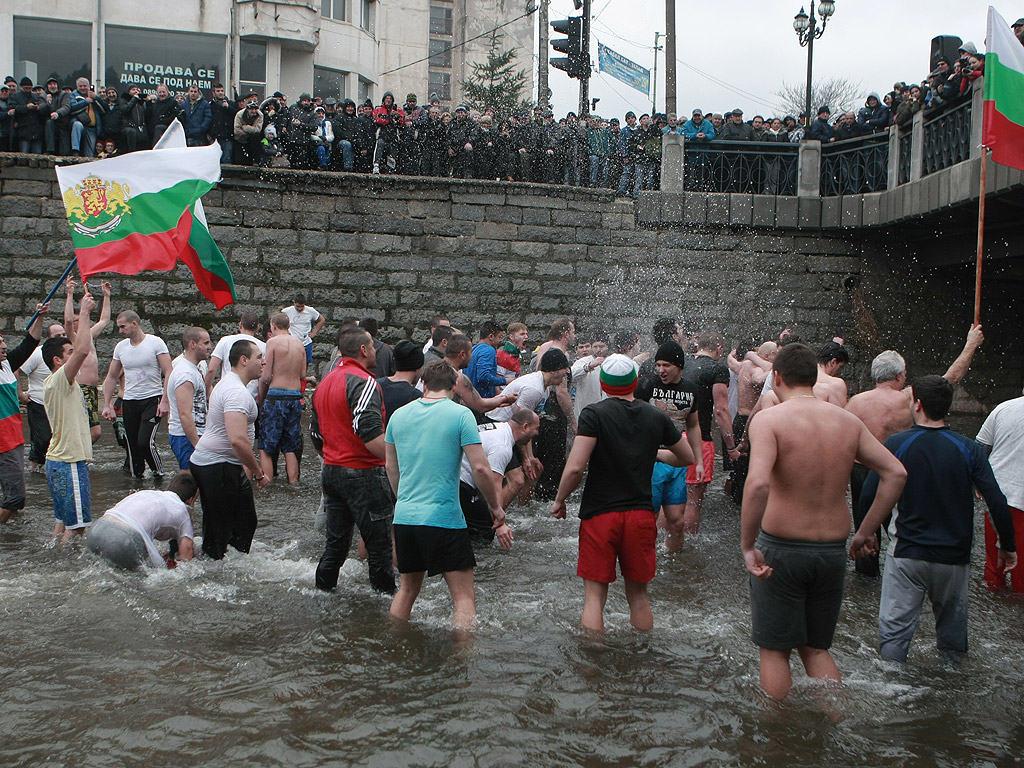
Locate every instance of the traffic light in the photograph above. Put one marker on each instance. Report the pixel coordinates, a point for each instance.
(576, 63)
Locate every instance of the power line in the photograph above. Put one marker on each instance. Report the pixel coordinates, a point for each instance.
(464, 42)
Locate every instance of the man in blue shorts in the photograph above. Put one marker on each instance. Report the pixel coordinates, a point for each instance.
(620, 437)
(424, 444)
(186, 396)
(281, 399)
(70, 451)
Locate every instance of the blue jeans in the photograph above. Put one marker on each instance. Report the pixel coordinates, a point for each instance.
(347, 155)
(30, 146)
(78, 132)
(363, 498)
(598, 171)
(323, 155)
(644, 176)
(629, 169)
(226, 148)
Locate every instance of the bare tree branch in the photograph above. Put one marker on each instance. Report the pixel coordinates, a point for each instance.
(837, 93)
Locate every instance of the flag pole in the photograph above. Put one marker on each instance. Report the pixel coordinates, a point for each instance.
(981, 239)
(55, 288)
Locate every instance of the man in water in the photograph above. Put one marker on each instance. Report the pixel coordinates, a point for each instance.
(281, 398)
(620, 438)
(186, 395)
(304, 323)
(248, 325)
(126, 533)
(795, 521)
(425, 443)
(89, 375)
(751, 374)
(888, 409)
(934, 527)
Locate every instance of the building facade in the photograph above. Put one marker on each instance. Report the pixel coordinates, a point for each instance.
(354, 49)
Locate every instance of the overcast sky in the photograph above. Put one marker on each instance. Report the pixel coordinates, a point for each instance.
(745, 49)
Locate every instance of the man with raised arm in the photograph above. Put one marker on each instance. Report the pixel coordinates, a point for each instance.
(425, 443)
(281, 398)
(795, 521)
(89, 375)
(67, 460)
(146, 364)
(888, 409)
(35, 372)
(620, 438)
(223, 462)
(12, 438)
(186, 396)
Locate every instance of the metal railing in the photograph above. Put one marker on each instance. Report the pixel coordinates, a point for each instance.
(855, 165)
(947, 137)
(752, 167)
(906, 152)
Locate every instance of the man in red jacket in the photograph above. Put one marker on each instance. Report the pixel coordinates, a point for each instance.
(350, 413)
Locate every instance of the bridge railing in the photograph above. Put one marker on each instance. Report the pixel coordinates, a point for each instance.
(934, 141)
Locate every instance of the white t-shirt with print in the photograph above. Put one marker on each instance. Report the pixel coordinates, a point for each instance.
(301, 323)
(155, 515)
(186, 372)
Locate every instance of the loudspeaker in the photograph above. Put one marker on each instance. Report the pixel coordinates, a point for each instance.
(944, 47)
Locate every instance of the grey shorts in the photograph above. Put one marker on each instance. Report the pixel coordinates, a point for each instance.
(798, 605)
(117, 543)
(12, 478)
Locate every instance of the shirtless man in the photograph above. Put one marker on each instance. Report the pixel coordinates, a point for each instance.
(751, 375)
(828, 387)
(281, 398)
(889, 408)
(795, 520)
(89, 374)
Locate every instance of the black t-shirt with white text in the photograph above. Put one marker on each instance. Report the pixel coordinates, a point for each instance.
(677, 400)
(629, 434)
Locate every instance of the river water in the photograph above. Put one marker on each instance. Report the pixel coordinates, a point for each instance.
(243, 662)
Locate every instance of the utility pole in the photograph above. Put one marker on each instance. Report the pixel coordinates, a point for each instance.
(670, 57)
(654, 76)
(542, 72)
(585, 81)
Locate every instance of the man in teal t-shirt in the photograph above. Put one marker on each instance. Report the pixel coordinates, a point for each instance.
(425, 441)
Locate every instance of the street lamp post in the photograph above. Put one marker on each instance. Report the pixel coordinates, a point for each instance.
(807, 31)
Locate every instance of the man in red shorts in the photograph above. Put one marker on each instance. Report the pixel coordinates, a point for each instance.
(621, 438)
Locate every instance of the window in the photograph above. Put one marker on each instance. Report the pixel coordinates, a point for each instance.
(252, 67)
(58, 49)
(441, 84)
(333, 9)
(329, 83)
(440, 53)
(440, 20)
(366, 15)
(151, 57)
(364, 91)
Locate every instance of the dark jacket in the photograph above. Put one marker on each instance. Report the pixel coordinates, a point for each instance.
(732, 132)
(873, 119)
(111, 120)
(161, 113)
(133, 112)
(820, 130)
(222, 117)
(28, 123)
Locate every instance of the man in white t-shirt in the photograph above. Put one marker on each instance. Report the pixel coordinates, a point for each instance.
(223, 461)
(146, 364)
(586, 376)
(186, 394)
(248, 324)
(1002, 437)
(303, 323)
(126, 533)
(35, 372)
(499, 441)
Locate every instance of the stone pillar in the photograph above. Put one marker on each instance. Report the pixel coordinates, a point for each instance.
(672, 155)
(809, 169)
(894, 157)
(977, 99)
(917, 148)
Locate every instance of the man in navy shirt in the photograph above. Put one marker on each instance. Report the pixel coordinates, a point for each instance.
(934, 526)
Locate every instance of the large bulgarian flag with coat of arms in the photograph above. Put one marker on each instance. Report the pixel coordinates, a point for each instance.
(1003, 126)
(141, 211)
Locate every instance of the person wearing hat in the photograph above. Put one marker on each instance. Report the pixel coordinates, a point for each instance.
(821, 130)
(874, 117)
(30, 113)
(669, 391)
(57, 132)
(5, 120)
(620, 439)
(1018, 29)
(281, 403)
(460, 146)
(736, 129)
(698, 129)
(399, 388)
(389, 120)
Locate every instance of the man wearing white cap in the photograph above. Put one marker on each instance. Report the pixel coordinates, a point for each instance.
(620, 438)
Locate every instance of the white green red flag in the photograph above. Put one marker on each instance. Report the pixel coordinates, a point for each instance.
(1003, 126)
(137, 212)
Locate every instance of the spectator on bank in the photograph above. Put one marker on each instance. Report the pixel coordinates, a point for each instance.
(627, 153)
(460, 146)
(846, 127)
(736, 129)
(248, 130)
(346, 135)
(322, 138)
(29, 112)
(5, 120)
(821, 130)
(160, 112)
(57, 132)
(873, 116)
(222, 119)
(111, 117)
(85, 113)
(196, 116)
(389, 120)
(909, 107)
(134, 131)
(698, 129)
(673, 127)
(600, 143)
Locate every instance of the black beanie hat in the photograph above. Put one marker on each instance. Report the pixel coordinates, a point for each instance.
(408, 356)
(671, 352)
(554, 360)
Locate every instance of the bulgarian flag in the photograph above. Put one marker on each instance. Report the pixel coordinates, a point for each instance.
(141, 211)
(1003, 125)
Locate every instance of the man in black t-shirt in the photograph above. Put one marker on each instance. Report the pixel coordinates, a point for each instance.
(670, 392)
(710, 377)
(620, 438)
(400, 388)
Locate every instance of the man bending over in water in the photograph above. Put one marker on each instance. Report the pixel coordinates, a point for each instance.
(795, 520)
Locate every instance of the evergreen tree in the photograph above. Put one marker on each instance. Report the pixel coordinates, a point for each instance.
(498, 82)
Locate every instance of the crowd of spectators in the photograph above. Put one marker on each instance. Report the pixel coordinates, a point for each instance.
(322, 133)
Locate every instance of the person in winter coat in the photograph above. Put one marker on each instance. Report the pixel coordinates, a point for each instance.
(485, 143)
(820, 129)
(162, 109)
(874, 116)
(29, 113)
(346, 135)
(775, 177)
(197, 117)
(460, 145)
(248, 129)
(322, 138)
(434, 140)
(111, 117)
(57, 132)
(134, 133)
(222, 119)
